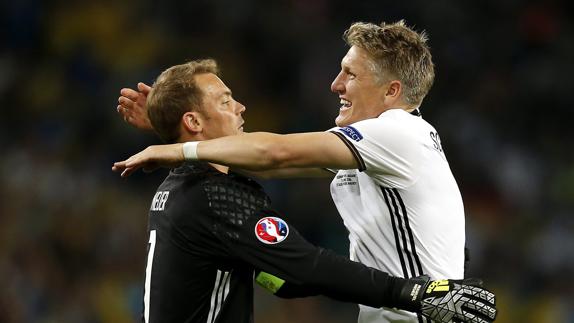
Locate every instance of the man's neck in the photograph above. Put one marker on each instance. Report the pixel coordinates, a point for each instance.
(408, 108)
(221, 168)
(401, 105)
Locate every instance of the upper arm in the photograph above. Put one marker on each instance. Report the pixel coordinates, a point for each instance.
(386, 150)
(288, 173)
(267, 242)
(314, 149)
(259, 237)
(236, 210)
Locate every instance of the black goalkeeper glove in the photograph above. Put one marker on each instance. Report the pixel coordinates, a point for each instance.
(448, 300)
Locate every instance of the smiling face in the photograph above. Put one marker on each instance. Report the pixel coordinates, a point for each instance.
(222, 115)
(362, 94)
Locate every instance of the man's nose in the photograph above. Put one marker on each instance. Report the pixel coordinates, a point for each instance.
(337, 85)
(240, 108)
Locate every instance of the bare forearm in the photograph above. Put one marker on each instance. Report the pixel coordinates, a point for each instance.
(251, 151)
(264, 151)
(259, 151)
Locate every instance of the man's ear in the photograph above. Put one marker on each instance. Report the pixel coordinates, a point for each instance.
(192, 121)
(394, 90)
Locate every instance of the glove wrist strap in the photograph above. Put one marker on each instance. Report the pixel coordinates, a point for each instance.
(412, 292)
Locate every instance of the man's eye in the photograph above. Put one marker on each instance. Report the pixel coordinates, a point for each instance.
(226, 102)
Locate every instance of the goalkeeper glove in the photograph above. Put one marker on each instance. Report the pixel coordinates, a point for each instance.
(449, 300)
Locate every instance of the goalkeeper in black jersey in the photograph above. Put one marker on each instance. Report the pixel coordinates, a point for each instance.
(213, 232)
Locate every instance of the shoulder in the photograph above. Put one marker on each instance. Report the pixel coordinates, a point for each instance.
(389, 124)
(233, 202)
(392, 118)
(204, 197)
(234, 196)
(198, 188)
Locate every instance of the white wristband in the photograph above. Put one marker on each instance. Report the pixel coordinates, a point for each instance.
(190, 150)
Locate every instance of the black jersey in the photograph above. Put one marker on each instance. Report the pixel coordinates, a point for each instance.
(211, 232)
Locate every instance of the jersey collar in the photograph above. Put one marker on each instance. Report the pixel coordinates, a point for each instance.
(416, 113)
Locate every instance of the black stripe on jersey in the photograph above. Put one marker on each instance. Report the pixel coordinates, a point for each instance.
(395, 212)
(410, 231)
(397, 240)
(354, 151)
(329, 170)
(394, 196)
(403, 234)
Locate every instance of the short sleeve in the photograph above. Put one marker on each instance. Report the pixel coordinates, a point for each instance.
(384, 150)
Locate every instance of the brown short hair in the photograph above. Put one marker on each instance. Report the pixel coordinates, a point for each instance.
(399, 51)
(174, 93)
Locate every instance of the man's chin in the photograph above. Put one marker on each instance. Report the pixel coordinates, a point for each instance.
(345, 117)
(342, 121)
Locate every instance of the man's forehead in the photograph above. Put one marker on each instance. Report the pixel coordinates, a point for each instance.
(211, 84)
(356, 56)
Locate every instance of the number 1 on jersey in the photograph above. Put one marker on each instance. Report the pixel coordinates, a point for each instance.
(148, 274)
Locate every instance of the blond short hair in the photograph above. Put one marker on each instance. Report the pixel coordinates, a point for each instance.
(398, 52)
(174, 93)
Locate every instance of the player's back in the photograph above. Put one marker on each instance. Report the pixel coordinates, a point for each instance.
(190, 276)
(435, 203)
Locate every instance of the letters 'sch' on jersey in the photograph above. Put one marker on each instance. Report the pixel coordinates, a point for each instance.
(403, 208)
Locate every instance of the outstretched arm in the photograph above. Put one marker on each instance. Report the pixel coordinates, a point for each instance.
(288, 173)
(292, 267)
(252, 151)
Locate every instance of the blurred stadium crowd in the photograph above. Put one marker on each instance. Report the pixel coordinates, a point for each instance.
(73, 234)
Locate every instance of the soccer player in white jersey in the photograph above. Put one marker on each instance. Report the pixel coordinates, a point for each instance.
(394, 188)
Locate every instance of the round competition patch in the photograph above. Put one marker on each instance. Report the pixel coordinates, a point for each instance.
(271, 230)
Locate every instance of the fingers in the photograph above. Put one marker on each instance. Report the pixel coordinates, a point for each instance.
(126, 108)
(479, 310)
(125, 167)
(126, 102)
(125, 113)
(130, 93)
(127, 172)
(480, 304)
(120, 166)
(144, 88)
(144, 159)
(480, 293)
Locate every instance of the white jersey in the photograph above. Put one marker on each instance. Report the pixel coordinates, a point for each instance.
(402, 207)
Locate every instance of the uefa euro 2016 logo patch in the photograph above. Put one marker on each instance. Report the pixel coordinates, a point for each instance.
(271, 230)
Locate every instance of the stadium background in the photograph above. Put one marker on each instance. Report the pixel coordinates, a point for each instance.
(73, 234)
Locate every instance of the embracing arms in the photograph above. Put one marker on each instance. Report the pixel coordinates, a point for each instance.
(259, 152)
